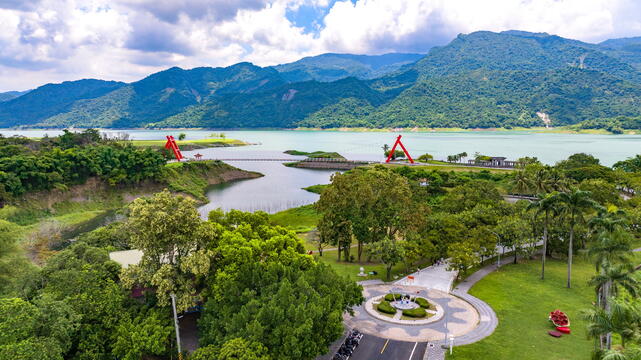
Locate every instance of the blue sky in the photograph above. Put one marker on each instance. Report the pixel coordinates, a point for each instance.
(45, 41)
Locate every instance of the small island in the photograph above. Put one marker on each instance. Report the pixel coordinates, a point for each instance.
(322, 160)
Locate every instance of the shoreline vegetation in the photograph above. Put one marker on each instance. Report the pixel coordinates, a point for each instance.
(550, 130)
(39, 217)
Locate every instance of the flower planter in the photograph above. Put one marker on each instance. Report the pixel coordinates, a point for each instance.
(559, 319)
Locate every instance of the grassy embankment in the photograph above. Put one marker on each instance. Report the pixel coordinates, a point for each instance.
(522, 303)
(444, 166)
(315, 154)
(65, 211)
(192, 144)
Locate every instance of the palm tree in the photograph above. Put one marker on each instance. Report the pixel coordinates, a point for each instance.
(556, 181)
(573, 205)
(611, 247)
(608, 281)
(547, 205)
(622, 319)
(521, 183)
(626, 354)
(385, 149)
(540, 181)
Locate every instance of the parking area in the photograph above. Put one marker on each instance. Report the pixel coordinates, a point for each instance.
(375, 348)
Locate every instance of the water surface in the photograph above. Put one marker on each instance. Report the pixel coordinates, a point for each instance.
(281, 187)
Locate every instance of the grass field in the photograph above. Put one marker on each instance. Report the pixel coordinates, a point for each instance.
(300, 219)
(191, 144)
(351, 269)
(522, 303)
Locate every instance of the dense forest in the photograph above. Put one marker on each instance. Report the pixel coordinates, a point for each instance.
(482, 79)
(28, 165)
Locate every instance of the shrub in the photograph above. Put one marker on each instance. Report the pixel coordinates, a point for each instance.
(419, 312)
(423, 302)
(391, 297)
(385, 307)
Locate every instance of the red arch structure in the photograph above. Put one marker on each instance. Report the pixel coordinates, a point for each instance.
(391, 152)
(171, 144)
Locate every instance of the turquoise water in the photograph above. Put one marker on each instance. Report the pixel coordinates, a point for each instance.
(280, 188)
(549, 148)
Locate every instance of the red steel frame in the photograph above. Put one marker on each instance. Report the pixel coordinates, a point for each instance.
(171, 144)
(391, 152)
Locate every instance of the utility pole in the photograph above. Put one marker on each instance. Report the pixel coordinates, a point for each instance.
(173, 305)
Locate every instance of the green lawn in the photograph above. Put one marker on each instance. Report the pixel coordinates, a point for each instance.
(300, 219)
(522, 303)
(351, 269)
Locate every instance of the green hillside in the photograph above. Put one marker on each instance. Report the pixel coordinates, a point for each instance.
(332, 67)
(50, 100)
(165, 94)
(482, 79)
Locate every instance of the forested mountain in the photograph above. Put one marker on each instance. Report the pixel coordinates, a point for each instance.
(331, 67)
(165, 94)
(482, 79)
(627, 49)
(10, 95)
(52, 99)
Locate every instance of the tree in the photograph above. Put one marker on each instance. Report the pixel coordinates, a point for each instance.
(471, 194)
(369, 204)
(425, 157)
(521, 183)
(241, 349)
(171, 235)
(182, 136)
(148, 333)
(463, 256)
(572, 205)
(547, 205)
(388, 252)
(623, 319)
(32, 332)
(512, 231)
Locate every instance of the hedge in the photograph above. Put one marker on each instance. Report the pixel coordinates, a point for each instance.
(391, 297)
(385, 307)
(423, 303)
(415, 313)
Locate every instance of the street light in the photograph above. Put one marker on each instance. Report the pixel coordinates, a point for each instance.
(173, 306)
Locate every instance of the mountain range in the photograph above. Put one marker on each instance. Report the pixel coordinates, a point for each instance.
(483, 79)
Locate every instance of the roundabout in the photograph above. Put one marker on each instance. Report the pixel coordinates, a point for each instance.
(447, 314)
(434, 312)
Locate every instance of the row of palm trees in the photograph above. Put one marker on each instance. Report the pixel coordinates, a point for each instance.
(569, 206)
(613, 313)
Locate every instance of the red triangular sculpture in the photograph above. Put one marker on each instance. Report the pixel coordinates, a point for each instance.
(171, 144)
(391, 152)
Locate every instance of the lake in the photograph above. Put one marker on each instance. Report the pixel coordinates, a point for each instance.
(281, 187)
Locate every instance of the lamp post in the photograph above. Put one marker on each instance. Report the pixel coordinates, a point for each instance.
(173, 306)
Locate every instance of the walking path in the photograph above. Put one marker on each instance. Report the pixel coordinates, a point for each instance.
(433, 277)
(488, 320)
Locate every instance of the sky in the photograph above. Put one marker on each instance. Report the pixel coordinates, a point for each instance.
(44, 41)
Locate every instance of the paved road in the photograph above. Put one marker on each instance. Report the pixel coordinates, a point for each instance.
(375, 348)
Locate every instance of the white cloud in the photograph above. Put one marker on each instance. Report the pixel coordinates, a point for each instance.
(55, 40)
